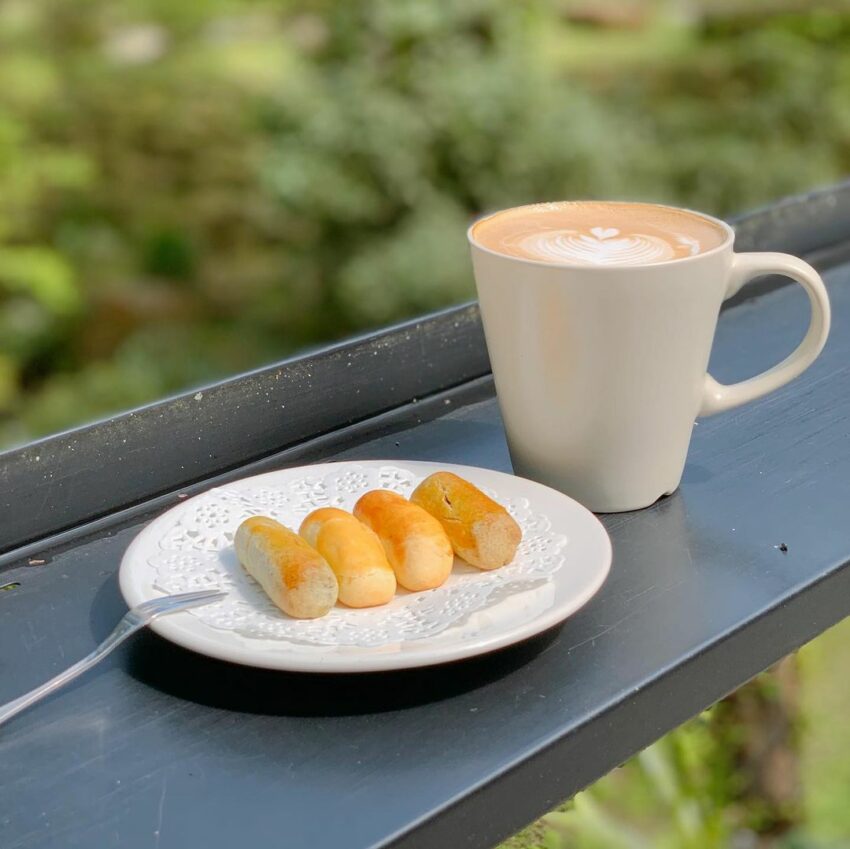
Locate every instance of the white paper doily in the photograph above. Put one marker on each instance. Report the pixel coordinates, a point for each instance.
(191, 547)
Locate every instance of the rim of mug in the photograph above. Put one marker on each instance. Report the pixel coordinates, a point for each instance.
(723, 225)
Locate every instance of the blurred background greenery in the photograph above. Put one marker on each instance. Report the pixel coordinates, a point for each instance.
(766, 768)
(190, 188)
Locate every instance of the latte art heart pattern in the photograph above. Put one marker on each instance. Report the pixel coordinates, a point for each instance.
(604, 233)
(607, 246)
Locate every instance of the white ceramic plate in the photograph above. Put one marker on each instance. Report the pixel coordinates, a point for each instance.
(562, 561)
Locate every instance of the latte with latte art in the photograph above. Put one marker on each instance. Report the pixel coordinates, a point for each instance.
(598, 233)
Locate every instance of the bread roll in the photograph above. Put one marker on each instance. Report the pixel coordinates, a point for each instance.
(294, 575)
(415, 544)
(354, 553)
(481, 531)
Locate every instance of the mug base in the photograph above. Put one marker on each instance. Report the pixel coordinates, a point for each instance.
(629, 509)
(589, 493)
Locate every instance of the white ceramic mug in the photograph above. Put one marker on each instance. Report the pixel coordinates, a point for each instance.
(600, 370)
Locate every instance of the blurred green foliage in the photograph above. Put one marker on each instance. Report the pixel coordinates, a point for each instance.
(190, 189)
(688, 792)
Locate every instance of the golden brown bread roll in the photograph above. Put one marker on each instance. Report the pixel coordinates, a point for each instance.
(294, 575)
(414, 541)
(354, 553)
(481, 531)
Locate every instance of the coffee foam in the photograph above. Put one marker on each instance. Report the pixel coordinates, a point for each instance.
(598, 233)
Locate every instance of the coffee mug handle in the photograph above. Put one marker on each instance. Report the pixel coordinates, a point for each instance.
(718, 397)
